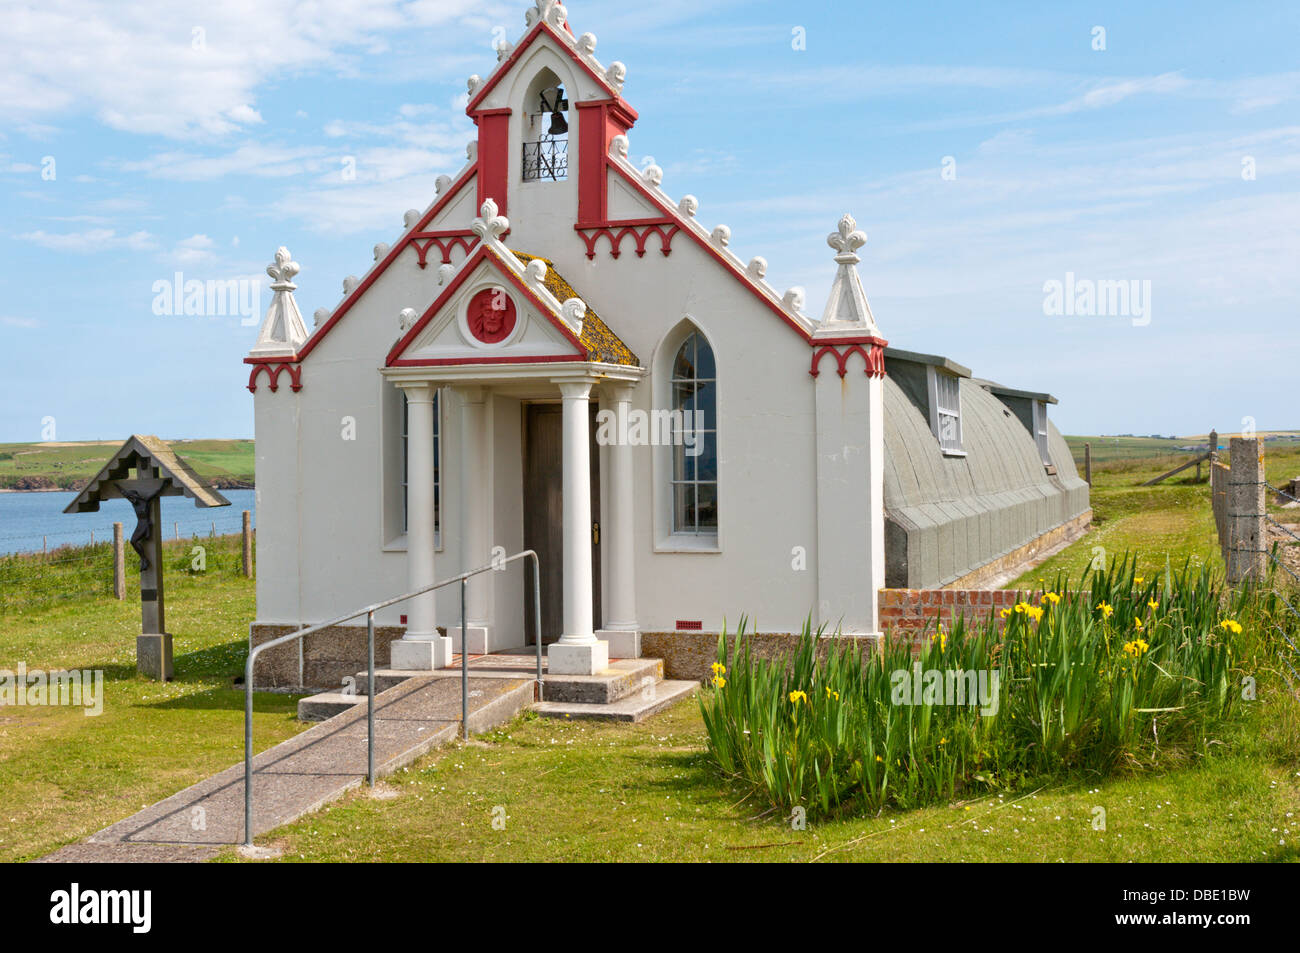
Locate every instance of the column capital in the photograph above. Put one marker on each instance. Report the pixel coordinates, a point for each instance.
(618, 391)
(418, 391)
(575, 390)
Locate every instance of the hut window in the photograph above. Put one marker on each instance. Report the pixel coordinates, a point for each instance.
(1040, 431)
(695, 438)
(945, 410)
(437, 465)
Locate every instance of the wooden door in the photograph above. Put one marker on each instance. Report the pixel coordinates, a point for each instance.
(544, 516)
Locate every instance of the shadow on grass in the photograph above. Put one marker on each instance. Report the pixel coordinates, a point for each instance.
(230, 699)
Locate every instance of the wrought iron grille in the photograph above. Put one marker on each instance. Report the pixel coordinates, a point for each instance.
(547, 160)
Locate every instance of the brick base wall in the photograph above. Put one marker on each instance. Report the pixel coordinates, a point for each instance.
(907, 613)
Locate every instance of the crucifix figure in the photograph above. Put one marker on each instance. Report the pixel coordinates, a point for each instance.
(143, 522)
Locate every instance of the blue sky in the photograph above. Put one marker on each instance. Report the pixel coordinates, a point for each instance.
(198, 137)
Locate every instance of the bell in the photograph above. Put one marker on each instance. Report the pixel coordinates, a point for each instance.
(559, 125)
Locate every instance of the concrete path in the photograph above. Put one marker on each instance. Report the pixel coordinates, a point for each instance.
(303, 773)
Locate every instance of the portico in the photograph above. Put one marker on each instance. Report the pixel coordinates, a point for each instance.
(581, 648)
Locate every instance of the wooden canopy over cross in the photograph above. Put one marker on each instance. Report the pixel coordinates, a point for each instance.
(158, 472)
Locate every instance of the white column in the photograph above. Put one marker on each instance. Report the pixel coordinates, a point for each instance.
(578, 652)
(475, 484)
(622, 631)
(421, 648)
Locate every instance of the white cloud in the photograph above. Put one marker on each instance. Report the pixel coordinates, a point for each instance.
(91, 241)
(10, 321)
(195, 250)
(184, 68)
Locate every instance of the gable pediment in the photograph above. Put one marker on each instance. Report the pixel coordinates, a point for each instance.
(486, 316)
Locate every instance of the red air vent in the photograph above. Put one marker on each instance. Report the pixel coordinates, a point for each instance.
(689, 625)
(403, 620)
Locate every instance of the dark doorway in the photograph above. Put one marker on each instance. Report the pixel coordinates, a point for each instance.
(544, 516)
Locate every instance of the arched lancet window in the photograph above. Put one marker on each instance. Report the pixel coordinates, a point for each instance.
(546, 130)
(695, 438)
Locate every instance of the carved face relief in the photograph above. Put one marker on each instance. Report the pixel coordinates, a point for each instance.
(491, 316)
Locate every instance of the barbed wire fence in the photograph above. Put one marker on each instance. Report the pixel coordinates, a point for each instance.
(68, 571)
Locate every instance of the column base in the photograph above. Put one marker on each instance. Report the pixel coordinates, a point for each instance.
(622, 643)
(153, 655)
(483, 639)
(420, 655)
(589, 658)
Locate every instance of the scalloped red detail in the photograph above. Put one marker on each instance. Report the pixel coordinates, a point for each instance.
(445, 242)
(873, 356)
(640, 229)
(273, 370)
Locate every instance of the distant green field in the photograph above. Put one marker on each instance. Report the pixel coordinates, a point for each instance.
(35, 466)
(1108, 449)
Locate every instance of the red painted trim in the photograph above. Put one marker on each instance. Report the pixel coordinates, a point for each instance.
(598, 123)
(461, 361)
(494, 159)
(672, 213)
(445, 240)
(638, 228)
(273, 369)
(873, 358)
(462, 275)
(346, 305)
(504, 69)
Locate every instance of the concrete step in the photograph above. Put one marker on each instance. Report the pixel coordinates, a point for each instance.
(635, 707)
(623, 678)
(386, 678)
(326, 705)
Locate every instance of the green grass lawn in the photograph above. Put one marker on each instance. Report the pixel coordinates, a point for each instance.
(65, 775)
(38, 465)
(583, 791)
(594, 792)
(1170, 520)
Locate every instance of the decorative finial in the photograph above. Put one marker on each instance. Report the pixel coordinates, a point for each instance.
(504, 49)
(721, 236)
(471, 150)
(350, 284)
(793, 300)
(282, 270)
(474, 84)
(689, 205)
(757, 267)
(574, 312)
(846, 240)
(406, 319)
(322, 315)
(616, 74)
(489, 225)
(445, 272)
(381, 250)
(653, 175)
(587, 44)
(618, 146)
(440, 184)
(535, 271)
(411, 217)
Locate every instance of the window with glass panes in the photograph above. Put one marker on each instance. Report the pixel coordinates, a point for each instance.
(437, 465)
(695, 439)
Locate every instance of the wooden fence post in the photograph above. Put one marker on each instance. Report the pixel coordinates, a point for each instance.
(119, 564)
(1247, 537)
(1087, 463)
(248, 545)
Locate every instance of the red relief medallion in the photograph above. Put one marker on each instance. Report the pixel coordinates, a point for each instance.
(491, 316)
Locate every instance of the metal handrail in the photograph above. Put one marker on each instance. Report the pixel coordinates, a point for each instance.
(369, 613)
